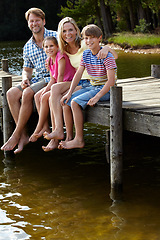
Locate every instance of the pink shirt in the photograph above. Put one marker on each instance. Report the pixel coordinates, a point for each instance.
(69, 69)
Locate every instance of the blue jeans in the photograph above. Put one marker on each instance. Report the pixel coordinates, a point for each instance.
(83, 95)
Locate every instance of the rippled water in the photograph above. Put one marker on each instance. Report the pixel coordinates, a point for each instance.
(64, 194)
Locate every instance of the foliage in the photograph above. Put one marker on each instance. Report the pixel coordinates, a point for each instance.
(142, 27)
(122, 15)
(128, 39)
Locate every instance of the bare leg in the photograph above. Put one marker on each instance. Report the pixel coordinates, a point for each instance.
(42, 125)
(24, 114)
(78, 141)
(56, 93)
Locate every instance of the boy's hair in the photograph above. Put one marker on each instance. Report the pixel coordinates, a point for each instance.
(53, 39)
(62, 43)
(92, 30)
(37, 11)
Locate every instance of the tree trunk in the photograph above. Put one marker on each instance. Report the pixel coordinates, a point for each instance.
(131, 14)
(107, 32)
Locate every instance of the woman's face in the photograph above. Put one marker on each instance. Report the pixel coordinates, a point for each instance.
(69, 32)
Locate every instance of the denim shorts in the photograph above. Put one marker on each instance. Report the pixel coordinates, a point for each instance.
(83, 95)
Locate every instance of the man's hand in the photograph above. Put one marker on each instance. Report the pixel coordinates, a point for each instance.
(25, 83)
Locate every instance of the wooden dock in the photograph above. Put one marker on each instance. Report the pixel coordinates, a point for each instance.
(134, 106)
(141, 106)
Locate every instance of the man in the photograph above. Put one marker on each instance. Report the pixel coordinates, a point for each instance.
(34, 58)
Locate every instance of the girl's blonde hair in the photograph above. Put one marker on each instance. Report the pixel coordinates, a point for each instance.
(61, 42)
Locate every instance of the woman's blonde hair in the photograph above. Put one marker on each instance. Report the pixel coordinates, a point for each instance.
(61, 42)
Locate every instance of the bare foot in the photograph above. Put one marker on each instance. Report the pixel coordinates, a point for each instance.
(34, 137)
(24, 140)
(75, 143)
(54, 135)
(11, 143)
(51, 145)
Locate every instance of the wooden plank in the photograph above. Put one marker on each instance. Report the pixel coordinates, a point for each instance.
(141, 123)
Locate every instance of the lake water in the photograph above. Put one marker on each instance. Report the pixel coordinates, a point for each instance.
(64, 194)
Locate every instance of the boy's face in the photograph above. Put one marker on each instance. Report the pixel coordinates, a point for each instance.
(92, 42)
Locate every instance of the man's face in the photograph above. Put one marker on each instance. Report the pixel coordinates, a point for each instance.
(35, 23)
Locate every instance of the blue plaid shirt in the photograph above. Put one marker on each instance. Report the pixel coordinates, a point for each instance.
(34, 57)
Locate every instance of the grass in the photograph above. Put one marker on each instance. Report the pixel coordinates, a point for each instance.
(138, 40)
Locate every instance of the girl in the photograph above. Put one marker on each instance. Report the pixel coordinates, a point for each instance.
(60, 71)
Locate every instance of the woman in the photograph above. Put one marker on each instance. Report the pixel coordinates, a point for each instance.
(70, 42)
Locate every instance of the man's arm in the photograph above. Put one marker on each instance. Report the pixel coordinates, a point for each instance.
(26, 76)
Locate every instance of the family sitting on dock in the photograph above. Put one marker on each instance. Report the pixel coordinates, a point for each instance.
(78, 72)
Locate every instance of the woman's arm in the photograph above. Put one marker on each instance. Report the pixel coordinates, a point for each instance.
(61, 69)
(104, 52)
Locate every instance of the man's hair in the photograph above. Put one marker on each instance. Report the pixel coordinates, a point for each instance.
(53, 39)
(92, 30)
(37, 11)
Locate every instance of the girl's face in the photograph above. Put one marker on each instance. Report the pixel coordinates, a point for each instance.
(69, 32)
(50, 48)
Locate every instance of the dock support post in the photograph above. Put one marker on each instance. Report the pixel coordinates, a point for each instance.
(7, 117)
(5, 65)
(155, 71)
(116, 142)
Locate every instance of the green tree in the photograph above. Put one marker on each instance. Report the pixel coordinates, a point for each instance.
(89, 11)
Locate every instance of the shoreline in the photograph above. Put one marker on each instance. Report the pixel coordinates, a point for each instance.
(138, 50)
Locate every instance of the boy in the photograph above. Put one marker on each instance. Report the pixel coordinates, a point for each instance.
(102, 72)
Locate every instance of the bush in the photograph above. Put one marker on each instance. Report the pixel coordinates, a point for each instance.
(142, 27)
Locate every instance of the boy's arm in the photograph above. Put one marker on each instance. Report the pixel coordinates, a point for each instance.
(104, 52)
(74, 83)
(110, 82)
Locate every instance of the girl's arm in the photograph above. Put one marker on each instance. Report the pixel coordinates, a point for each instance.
(104, 52)
(74, 83)
(61, 69)
(110, 82)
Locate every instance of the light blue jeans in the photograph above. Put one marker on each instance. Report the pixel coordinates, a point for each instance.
(83, 95)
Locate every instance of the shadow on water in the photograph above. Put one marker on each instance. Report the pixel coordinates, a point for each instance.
(65, 194)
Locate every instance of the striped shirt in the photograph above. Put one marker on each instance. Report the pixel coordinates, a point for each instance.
(97, 68)
(34, 57)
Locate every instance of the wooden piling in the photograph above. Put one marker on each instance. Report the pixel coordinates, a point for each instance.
(5, 65)
(116, 142)
(7, 117)
(155, 71)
